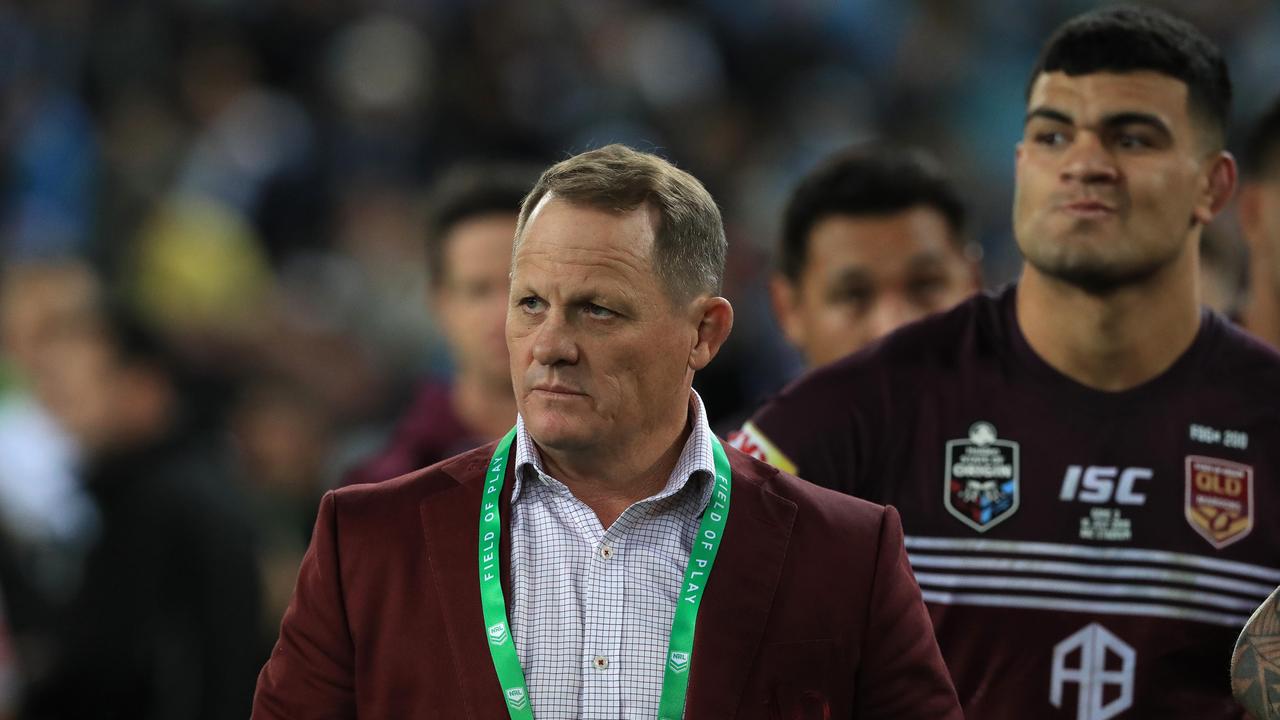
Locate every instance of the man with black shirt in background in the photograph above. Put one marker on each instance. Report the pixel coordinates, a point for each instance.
(164, 621)
(1086, 462)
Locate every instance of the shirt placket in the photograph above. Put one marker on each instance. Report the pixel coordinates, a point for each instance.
(602, 648)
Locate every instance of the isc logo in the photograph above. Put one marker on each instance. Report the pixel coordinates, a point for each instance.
(1095, 484)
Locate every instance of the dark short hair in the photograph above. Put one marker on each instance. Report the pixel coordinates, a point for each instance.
(869, 179)
(1129, 38)
(1262, 151)
(689, 248)
(466, 192)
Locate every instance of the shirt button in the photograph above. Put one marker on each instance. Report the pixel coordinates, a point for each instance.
(601, 662)
(606, 552)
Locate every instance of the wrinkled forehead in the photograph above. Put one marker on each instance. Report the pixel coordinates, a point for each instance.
(564, 235)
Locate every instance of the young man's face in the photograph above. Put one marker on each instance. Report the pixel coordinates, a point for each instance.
(1113, 176)
(471, 301)
(867, 275)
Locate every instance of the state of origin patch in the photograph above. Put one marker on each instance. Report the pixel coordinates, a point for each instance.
(980, 483)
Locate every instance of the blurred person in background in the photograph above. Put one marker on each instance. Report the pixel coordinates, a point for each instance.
(474, 209)
(164, 623)
(1259, 214)
(283, 437)
(1224, 270)
(872, 239)
(46, 518)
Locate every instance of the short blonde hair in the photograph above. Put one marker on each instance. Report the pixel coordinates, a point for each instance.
(689, 245)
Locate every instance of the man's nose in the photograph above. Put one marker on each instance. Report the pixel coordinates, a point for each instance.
(890, 313)
(555, 343)
(1088, 160)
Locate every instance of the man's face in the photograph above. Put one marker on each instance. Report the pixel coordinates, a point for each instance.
(472, 297)
(599, 353)
(1112, 174)
(867, 275)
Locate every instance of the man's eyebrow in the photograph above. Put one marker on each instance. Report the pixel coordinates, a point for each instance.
(1136, 118)
(1048, 114)
(856, 274)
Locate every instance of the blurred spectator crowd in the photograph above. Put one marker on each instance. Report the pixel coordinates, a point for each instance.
(212, 281)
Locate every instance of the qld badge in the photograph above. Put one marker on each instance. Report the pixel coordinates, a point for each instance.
(980, 482)
(1219, 499)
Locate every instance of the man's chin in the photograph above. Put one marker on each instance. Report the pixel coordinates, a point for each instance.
(1096, 276)
(559, 435)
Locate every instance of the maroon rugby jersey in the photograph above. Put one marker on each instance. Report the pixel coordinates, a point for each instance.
(430, 431)
(1084, 554)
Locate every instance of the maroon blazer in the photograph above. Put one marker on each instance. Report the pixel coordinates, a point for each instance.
(812, 610)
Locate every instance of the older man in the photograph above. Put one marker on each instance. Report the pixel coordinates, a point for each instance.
(607, 558)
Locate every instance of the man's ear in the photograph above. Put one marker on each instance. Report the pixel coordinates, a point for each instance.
(785, 297)
(715, 320)
(1218, 188)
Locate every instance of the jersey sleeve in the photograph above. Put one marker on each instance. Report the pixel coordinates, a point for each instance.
(819, 428)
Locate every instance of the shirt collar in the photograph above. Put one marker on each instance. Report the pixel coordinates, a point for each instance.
(695, 458)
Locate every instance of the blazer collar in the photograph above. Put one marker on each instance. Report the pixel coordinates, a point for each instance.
(731, 619)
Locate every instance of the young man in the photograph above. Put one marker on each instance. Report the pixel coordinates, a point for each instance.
(872, 239)
(603, 515)
(473, 218)
(1260, 222)
(1086, 463)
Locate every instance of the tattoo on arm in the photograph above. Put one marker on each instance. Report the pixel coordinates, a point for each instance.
(1255, 666)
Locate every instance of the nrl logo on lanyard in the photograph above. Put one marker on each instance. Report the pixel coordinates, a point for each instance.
(980, 481)
(498, 633)
(517, 698)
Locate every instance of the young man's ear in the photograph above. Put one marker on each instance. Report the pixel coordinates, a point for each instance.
(1220, 185)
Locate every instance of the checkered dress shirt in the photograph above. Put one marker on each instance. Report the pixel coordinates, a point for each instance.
(590, 608)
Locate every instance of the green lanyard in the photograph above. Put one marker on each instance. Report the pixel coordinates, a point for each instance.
(675, 680)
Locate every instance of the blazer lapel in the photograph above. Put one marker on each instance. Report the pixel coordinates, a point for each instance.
(449, 523)
(735, 606)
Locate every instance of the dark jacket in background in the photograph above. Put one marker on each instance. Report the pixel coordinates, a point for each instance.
(166, 622)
